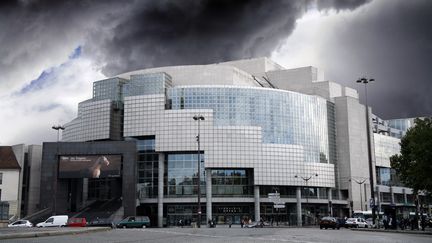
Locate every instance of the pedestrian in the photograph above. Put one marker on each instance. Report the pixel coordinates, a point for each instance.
(385, 222)
(423, 222)
(241, 223)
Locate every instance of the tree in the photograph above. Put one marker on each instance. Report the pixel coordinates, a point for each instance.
(414, 163)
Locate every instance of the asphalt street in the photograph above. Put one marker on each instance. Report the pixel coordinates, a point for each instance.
(238, 235)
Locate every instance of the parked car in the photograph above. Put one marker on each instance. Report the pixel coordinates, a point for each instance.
(103, 222)
(341, 222)
(255, 224)
(77, 222)
(134, 222)
(54, 221)
(356, 223)
(329, 222)
(20, 223)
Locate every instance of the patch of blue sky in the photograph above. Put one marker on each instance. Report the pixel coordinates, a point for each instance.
(48, 74)
(76, 53)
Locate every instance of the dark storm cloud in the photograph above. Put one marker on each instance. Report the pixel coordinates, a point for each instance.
(340, 5)
(161, 33)
(391, 42)
(35, 35)
(164, 33)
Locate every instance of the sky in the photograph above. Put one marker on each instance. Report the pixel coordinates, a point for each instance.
(52, 51)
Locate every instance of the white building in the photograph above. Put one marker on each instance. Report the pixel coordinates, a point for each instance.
(265, 129)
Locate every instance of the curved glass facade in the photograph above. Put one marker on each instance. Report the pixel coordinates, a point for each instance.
(284, 117)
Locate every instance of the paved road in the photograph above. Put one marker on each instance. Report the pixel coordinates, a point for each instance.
(237, 235)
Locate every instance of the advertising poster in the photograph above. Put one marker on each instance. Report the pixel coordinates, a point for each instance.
(89, 166)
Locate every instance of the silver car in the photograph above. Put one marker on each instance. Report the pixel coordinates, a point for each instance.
(20, 223)
(356, 223)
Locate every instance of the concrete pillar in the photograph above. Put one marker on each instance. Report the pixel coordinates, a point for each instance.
(208, 194)
(378, 198)
(160, 189)
(257, 203)
(85, 191)
(405, 196)
(299, 206)
(330, 199)
(392, 195)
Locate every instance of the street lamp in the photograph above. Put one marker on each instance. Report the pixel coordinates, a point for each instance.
(199, 118)
(58, 128)
(360, 183)
(365, 81)
(306, 179)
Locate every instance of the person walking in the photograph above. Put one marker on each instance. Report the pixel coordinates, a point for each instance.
(242, 223)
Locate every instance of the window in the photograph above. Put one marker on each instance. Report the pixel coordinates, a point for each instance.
(50, 220)
(4, 210)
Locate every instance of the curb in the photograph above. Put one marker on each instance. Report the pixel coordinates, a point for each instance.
(397, 231)
(51, 233)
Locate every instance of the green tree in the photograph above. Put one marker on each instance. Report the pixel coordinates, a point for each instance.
(414, 163)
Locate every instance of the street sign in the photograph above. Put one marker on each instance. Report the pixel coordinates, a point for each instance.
(371, 203)
(279, 206)
(275, 195)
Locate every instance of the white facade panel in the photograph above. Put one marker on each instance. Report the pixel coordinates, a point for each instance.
(223, 146)
(10, 185)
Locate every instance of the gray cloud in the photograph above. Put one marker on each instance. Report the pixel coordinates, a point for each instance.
(162, 33)
(391, 42)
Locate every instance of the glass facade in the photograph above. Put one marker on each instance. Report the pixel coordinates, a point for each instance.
(387, 177)
(182, 176)
(385, 147)
(235, 182)
(285, 117)
(146, 84)
(147, 166)
(110, 89)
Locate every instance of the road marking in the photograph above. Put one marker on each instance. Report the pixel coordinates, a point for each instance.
(264, 239)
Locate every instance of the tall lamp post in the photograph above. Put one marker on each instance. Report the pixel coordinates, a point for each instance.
(365, 81)
(360, 182)
(306, 179)
(58, 128)
(199, 118)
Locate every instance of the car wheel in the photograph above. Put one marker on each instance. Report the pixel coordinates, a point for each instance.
(338, 228)
(366, 226)
(124, 226)
(321, 227)
(143, 226)
(326, 228)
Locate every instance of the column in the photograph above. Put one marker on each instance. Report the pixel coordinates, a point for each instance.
(330, 203)
(378, 198)
(161, 169)
(257, 203)
(299, 207)
(405, 196)
(392, 196)
(208, 194)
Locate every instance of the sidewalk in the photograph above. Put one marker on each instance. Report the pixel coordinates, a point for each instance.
(428, 231)
(59, 231)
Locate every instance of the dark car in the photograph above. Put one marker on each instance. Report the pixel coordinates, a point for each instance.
(103, 222)
(329, 222)
(341, 222)
(134, 222)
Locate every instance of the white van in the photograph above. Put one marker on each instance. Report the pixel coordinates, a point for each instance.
(54, 221)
